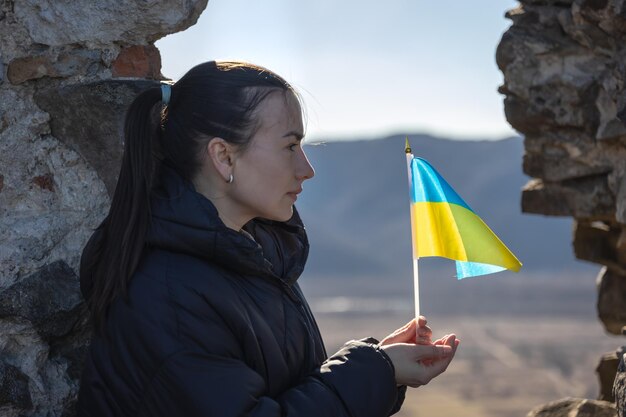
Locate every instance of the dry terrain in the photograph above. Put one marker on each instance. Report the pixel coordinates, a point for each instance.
(505, 366)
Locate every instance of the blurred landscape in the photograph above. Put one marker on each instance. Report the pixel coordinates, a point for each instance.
(527, 338)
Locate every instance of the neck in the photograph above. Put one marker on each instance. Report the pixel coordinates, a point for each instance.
(225, 209)
(225, 214)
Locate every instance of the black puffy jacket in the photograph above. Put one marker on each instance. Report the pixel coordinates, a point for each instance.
(216, 325)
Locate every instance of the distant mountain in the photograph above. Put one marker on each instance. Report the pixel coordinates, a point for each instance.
(356, 213)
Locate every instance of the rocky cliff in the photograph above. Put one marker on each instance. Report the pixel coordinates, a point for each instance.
(67, 72)
(564, 66)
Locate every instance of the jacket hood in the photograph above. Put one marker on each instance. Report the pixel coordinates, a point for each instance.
(185, 221)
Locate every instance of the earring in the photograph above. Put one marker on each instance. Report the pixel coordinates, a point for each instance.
(230, 179)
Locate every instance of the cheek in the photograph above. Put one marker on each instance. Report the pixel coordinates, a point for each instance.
(272, 176)
(265, 185)
(265, 176)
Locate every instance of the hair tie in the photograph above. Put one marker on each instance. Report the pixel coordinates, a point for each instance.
(166, 93)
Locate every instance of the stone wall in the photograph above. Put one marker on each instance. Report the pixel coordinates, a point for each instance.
(564, 66)
(67, 72)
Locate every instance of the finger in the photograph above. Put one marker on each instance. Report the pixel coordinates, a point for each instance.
(451, 340)
(441, 341)
(448, 360)
(457, 342)
(424, 331)
(422, 352)
(423, 340)
(444, 341)
(438, 366)
(405, 334)
(409, 325)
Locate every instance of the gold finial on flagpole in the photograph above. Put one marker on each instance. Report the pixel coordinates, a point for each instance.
(407, 147)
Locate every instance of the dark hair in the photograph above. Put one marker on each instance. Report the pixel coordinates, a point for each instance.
(213, 99)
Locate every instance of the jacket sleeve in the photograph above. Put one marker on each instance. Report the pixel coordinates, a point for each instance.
(358, 381)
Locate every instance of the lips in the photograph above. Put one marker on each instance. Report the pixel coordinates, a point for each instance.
(294, 194)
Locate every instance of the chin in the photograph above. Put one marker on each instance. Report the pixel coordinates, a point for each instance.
(282, 215)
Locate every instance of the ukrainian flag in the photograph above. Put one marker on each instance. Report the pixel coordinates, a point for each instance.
(444, 225)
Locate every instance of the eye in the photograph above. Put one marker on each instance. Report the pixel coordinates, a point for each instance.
(292, 146)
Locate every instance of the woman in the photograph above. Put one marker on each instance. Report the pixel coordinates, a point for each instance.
(191, 278)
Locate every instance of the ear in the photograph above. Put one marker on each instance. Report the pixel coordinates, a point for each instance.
(221, 154)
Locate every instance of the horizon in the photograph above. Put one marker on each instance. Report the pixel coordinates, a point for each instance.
(392, 135)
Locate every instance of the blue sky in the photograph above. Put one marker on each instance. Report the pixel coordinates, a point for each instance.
(365, 68)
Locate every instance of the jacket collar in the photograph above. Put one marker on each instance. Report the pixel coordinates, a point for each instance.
(183, 220)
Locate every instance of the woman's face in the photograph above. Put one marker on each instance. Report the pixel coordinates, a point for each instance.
(269, 173)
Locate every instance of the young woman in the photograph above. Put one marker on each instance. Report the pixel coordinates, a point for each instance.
(191, 278)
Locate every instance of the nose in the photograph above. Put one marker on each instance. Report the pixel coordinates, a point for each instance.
(305, 170)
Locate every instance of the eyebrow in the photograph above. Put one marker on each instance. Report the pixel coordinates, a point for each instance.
(298, 135)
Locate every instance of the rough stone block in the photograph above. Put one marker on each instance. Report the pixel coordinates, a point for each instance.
(620, 210)
(79, 61)
(89, 119)
(575, 407)
(54, 63)
(611, 130)
(612, 300)
(551, 166)
(104, 22)
(39, 226)
(547, 106)
(49, 298)
(28, 68)
(606, 371)
(522, 117)
(45, 182)
(587, 197)
(593, 10)
(619, 386)
(14, 389)
(138, 61)
(611, 127)
(53, 388)
(620, 246)
(598, 242)
(607, 15)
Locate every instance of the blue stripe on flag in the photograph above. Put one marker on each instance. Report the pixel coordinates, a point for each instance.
(429, 186)
(472, 269)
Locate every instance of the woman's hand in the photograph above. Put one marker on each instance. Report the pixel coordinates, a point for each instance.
(417, 364)
(409, 334)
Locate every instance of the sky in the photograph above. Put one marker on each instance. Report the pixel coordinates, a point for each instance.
(365, 68)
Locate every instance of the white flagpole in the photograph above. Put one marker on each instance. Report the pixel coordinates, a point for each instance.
(416, 286)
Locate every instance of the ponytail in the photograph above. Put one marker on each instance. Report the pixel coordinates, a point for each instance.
(213, 99)
(117, 253)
